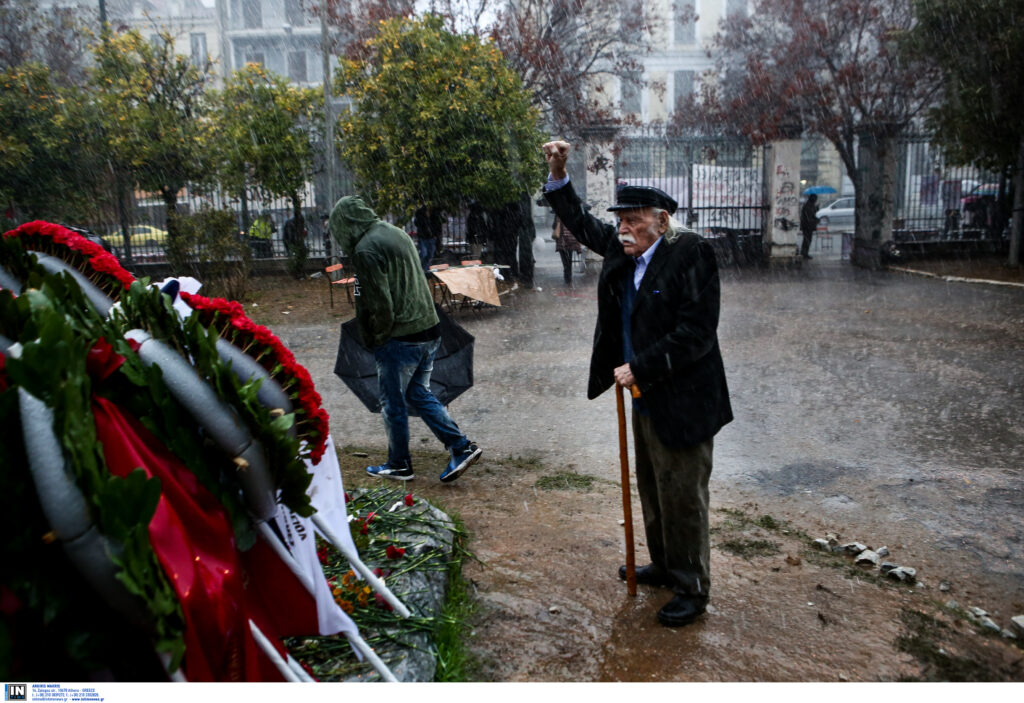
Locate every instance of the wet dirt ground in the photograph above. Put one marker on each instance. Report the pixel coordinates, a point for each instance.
(883, 407)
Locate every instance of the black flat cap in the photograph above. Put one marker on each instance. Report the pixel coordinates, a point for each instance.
(633, 197)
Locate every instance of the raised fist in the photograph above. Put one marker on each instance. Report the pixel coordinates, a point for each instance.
(556, 153)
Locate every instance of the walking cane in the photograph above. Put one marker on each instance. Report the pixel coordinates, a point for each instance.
(627, 507)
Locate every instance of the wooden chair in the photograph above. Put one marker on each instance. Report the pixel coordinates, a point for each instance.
(439, 289)
(336, 277)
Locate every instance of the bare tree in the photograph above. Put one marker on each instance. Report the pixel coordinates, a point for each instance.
(53, 37)
(829, 67)
(356, 21)
(563, 50)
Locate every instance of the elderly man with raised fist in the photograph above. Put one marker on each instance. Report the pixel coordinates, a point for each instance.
(657, 320)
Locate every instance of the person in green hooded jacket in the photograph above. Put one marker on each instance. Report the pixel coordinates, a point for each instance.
(397, 320)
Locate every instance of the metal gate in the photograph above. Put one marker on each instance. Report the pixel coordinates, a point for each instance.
(718, 183)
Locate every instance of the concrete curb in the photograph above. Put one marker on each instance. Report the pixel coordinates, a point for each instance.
(957, 279)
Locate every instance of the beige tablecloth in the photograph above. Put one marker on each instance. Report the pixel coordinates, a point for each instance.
(475, 282)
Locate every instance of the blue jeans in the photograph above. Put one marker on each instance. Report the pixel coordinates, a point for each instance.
(403, 373)
(426, 248)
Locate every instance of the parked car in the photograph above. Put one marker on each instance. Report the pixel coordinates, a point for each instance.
(837, 215)
(147, 242)
(146, 235)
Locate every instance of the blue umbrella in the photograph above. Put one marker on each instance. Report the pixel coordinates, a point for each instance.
(819, 190)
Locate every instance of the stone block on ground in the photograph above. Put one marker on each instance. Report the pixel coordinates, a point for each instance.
(867, 558)
(1017, 625)
(905, 574)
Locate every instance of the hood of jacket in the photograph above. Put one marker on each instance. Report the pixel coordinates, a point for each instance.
(350, 219)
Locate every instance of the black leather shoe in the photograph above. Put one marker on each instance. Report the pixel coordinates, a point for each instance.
(682, 610)
(648, 575)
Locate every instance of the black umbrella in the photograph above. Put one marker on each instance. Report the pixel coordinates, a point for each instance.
(453, 364)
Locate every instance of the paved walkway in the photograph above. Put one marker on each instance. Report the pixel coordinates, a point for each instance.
(881, 405)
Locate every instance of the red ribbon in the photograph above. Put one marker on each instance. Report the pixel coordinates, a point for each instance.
(194, 543)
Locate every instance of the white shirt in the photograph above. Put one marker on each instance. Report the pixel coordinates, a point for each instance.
(643, 260)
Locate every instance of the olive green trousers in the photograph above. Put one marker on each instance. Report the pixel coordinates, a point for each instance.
(673, 487)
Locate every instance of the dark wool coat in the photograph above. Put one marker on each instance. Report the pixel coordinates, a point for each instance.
(677, 365)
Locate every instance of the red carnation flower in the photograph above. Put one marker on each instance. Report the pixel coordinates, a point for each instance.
(85, 255)
(394, 552)
(312, 421)
(409, 499)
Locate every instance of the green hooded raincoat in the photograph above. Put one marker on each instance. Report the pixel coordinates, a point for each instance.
(392, 295)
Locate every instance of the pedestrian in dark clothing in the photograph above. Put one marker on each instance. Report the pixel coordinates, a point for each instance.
(294, 236)
(505, 236)
(657, 320)
(566, 245)
(397, 320)
(808, 223)
(477, 226)
(527, 233)
(428, 222)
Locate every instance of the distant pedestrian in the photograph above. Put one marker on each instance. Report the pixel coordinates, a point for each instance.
(294, 236)
(397, 320)
(505, 236)
(325, 233)
(808, 223)
(477, 226)
(428, 222)
(527, 233)
(566, 245)
(261, 232)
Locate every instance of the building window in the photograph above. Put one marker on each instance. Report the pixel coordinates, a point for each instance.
(252, 14)
(199, 55)
(635, 160)
(683, 83)
(631, 21)
(631, 93)
(736, 7)
(686, 22)
(293, 13)
(297, 66)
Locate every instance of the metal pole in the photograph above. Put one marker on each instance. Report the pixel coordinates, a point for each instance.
(328, 118)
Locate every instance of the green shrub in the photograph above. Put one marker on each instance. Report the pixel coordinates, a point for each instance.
(208, 246)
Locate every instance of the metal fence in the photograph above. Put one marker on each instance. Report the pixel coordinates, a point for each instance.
(936, 199)
(718, 183)
(148, 222)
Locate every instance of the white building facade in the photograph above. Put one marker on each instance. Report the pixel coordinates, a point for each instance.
(681, 34)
